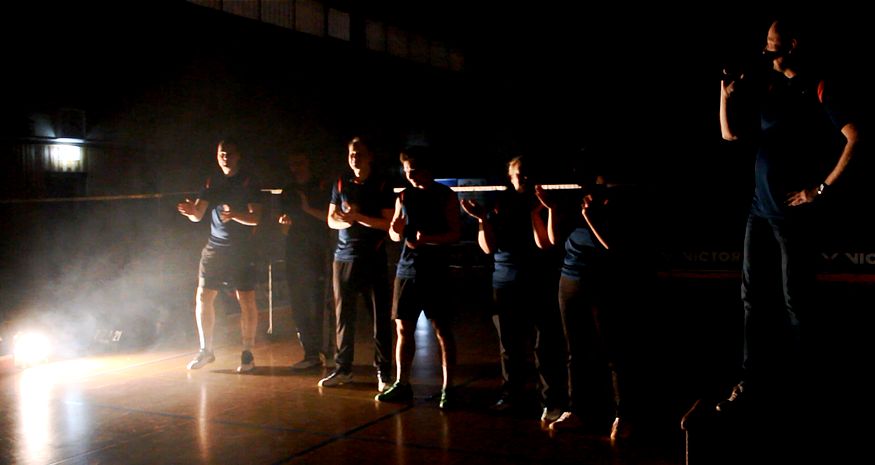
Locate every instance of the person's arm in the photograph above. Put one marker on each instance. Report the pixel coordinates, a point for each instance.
(454, 230)
(396, 226)
(545, 233)
(338, 219)
(194, 211)
(726, 128)
(594, 219)
(485, 233)
(250, 217)
(852, 138)
(375, 222)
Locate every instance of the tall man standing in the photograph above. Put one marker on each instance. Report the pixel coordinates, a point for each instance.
(361, 208)
(228, 259)
(805, 140)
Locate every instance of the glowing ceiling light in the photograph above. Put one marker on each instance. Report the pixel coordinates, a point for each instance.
(65, 157)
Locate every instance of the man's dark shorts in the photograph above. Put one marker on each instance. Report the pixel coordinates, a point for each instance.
(412, 296)
(232, 267)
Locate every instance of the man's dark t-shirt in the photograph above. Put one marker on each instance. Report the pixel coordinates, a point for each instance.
(236, 192)
(799, 141)
(371, 198)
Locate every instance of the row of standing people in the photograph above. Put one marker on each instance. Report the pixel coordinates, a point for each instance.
(425, 219)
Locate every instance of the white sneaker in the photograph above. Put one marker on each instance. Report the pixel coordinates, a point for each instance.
(201, 359)
(551, 414)
(620, 430)
(566, 421)
(382, 384)
(306, 364)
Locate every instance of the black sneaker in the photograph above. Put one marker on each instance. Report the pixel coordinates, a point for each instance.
(201, 359)
(397, 393)
(448, 400)
(247, 362)
(505, 403)
(336, 378)
(307, 363)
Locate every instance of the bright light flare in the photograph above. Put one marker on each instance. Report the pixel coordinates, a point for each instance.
(65, 157)
(29, 349)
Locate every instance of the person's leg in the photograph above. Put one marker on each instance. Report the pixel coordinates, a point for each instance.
(404, 313)
(611, 315)
(755, 274)
(575, 302)
(243, 279)
(204, 309)
(205, 315)
(345, 311)
(248, 328)
(405, 349)
(345, 289)
(434, 302)
(305, 297)
(752, 273)
(211, 271)
(550, 349)
(798, 285)
(447, 341)
(248, 317)
(381, 312)
(513, 341)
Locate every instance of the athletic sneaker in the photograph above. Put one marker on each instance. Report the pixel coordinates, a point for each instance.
(336, 378)
(247, 362)
(383, 380)
(307, 363)
(550, 415)
(447, 400)
(566, 421)
(201, 359)
(398, 393)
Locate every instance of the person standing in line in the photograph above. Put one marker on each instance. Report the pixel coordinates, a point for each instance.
(304, 206)
(604, 275)
(228, 259)
(360, 209)
(524, 292)
(427, 221)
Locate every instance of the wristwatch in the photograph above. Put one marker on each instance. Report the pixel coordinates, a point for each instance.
(822, 187)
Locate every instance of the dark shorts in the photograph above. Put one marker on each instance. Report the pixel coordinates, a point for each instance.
(230, 267)
(412, 296)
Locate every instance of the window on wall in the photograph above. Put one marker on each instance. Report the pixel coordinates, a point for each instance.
(64, 170)
(310, 17)
(320, 19)
(338, 24)
(64, 158)
(49, 170)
